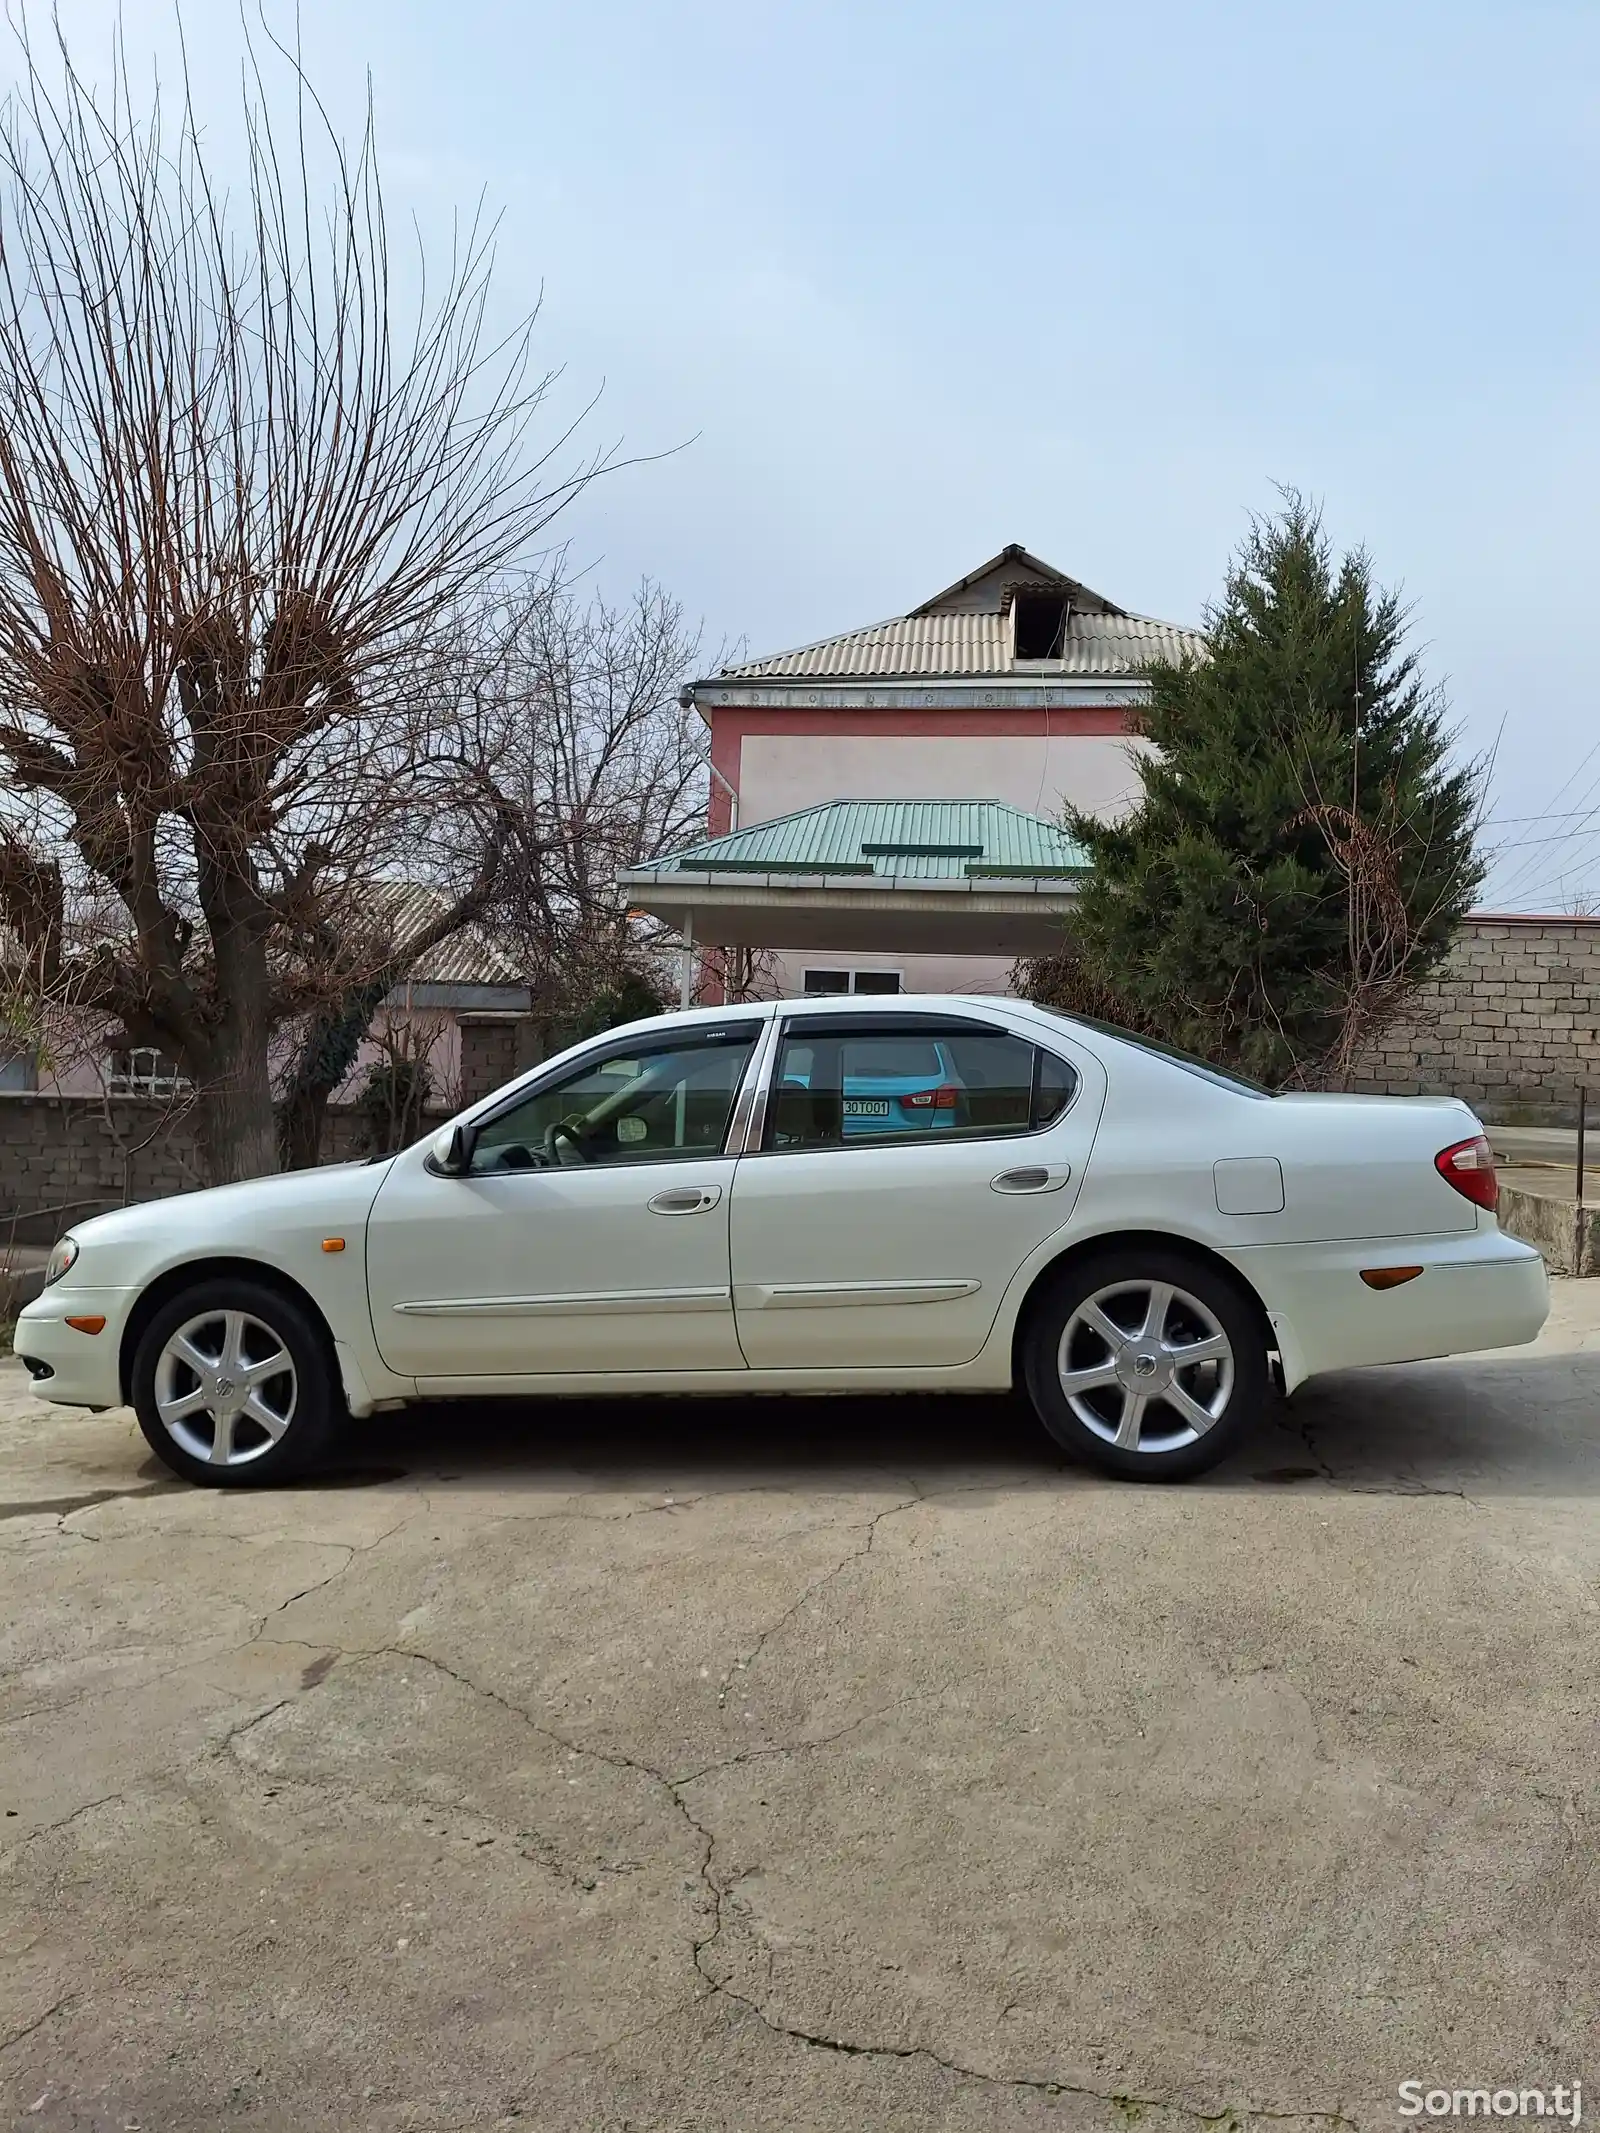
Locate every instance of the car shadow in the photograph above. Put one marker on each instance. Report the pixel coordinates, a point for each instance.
(1479, 1426)
(1506, 1425)
(686, 1444)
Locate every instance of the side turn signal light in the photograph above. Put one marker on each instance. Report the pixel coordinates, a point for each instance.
(87, 1325)
(333, 1244)
(1388, 1277)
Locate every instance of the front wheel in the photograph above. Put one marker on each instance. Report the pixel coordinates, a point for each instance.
(235, 1385)
(1146, 1363)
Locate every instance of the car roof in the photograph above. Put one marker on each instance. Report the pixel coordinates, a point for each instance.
(845, 1003)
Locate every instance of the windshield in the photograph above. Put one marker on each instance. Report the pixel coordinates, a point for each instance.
(1223, 1078)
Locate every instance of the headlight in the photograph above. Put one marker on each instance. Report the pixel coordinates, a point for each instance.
(60, 1259)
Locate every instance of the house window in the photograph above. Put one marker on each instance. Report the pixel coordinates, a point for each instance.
(141, 1070)
(825, 981)
(1039, 625)
(19, 1072)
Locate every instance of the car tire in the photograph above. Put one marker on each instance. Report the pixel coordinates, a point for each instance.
(212, 1406)
(1114, 1329)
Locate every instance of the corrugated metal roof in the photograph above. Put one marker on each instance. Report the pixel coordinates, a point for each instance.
(921, 646)
(388, 913)
(468, 957)
(927, 840)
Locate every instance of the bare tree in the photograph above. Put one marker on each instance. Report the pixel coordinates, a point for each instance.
(601, 767)
(244, 498)
(1384, 937)
(401, 1084)
(746, 973)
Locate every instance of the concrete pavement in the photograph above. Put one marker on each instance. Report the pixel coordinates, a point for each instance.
(814, 1766)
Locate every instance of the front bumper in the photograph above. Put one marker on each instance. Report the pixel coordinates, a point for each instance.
(1479, 1289)
(83, 1368)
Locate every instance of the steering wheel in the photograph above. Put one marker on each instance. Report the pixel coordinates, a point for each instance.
(558, 1137)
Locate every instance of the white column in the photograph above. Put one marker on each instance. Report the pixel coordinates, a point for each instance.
(686, 962)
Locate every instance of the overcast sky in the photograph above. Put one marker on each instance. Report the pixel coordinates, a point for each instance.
(917, 280)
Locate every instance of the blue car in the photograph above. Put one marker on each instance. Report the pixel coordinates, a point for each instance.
(892, 1085)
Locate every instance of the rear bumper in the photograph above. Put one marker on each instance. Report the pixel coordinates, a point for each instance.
(1481, 1289)
(83, 1367)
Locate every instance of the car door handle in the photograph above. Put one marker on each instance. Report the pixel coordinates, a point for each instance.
(685, 1199)
(1033, 1177)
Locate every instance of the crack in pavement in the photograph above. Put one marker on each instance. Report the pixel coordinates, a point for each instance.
(612, 2044)
(257, 1636)
(715, 1893)
(856, 1555)
(351, 1548)
(48, 1829)
(716, 1897)
(820, 1740)
(1304, 1427)
(1045, 2085)
(1119, 2099)
(63, 1507)
(17, 2036)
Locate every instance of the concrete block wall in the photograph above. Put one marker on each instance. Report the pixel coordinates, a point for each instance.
(63, 1158)
(1512, 1023)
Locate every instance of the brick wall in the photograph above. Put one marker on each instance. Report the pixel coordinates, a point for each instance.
(1512, 1023)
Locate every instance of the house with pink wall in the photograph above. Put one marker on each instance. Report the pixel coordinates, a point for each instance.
(1017, 687)
(467, 979)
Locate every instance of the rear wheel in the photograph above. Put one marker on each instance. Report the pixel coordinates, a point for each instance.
(1146, 1363)
(235, 1385)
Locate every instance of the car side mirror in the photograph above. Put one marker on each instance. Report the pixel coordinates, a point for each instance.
(450, 1151)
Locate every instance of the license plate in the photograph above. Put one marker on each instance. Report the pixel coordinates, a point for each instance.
(866, 1107)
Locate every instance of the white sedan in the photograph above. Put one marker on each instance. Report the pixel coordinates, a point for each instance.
(850, 1195)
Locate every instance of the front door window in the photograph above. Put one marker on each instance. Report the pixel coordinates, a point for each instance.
(644, 1102)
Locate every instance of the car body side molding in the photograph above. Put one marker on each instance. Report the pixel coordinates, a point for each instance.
(593, 1305)
(833, 1295)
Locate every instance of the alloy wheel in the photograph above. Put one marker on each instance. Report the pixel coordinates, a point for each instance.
(1146, 1366)
(225, 1387)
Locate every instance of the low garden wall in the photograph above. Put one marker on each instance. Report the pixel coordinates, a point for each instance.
(65, 1157)
(1512, 1023)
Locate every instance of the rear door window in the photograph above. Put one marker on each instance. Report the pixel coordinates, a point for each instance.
(843, 1083)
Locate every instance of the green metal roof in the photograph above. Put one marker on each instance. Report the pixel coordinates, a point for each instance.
(927, 840)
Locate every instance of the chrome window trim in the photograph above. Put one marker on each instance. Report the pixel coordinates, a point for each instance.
(749, 1118)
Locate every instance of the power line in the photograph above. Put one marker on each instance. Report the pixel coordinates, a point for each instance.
(1565, 787)
(1581, 832)
(1546, 816)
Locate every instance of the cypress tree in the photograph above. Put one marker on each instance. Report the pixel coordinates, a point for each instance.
(1302, 849)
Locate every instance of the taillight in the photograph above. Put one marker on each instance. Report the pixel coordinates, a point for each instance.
(943, 1098)
(1469, 1167)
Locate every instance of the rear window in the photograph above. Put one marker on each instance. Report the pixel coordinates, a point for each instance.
(1220, 1077)
(893, 1058)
